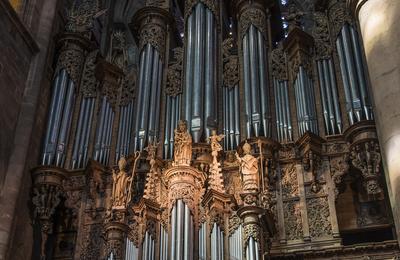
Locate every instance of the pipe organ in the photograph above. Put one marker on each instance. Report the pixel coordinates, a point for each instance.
(223, 140)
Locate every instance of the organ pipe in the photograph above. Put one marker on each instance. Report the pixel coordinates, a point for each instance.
(282, 111)
(200, 76)
(124, 131)
(358, 105)
(60, 114)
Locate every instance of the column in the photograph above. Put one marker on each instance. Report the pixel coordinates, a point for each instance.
(151, 24)
(379, 22)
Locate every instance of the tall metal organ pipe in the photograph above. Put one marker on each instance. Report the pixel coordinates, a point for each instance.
(257, 112)
(81, 144)
(230, 97)
(124, 131)
(131, 251)
(105, 121)
(305, 103)
(203, 241)
(172, 116)
(235, 244)
(200, 76)
(217, 243)
(163, 243)
(282, 111)
(358, 104)
(182, 231)
(60, 115)
(329, 97)
(149, 94)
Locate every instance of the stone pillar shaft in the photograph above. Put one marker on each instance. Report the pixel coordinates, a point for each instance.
(379, 22)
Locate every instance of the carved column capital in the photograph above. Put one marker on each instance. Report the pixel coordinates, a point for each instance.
(151, 24)
(115, 239)
(73, 50)
(251, 13)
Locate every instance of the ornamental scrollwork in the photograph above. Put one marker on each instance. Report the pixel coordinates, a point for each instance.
(290, 186)
(292, 218)
(89, 82)
(46, 199)
(300, 59)
(151, 229)
(92, 241)
(338, 16)
(231, 63)
(323, 48)
(184, 192)
(234, 223)
(319, 217)
(279, 65)
(366, 157)
(255, 17)
(174, 74)
(128, 88)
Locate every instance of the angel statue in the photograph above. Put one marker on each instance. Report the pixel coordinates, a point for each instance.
(248, 169)
(215, 145)
(183, 144)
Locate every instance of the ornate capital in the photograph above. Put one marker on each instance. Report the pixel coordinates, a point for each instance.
(251, 13)
(210, 4)
(151, 23)
(338, 15)
(115, 239)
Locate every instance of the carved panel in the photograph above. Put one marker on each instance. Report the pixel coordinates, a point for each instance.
(292, 218)
(253, 16)
(174, 74)
(338, 16)
(290, 186)
(89, 82)
(279, 65)
(323, 48)
(319, 217)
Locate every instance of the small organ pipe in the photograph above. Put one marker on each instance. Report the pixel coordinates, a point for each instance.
(323, 95)
(79, 133)
(167, 126)
(153, 97)
(329, 96)
(237, 116)
(335, 96)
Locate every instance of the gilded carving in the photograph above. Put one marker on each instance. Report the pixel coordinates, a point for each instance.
(319, 217)
(151, 190)
(215, 179)
(255, 17)
(183, 144)
(366, 157)
(234, 223)
(248, 169)
(174, 74)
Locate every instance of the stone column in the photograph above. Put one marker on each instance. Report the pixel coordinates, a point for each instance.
(379, 22)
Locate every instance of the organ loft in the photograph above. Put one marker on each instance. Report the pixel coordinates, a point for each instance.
(199, 129)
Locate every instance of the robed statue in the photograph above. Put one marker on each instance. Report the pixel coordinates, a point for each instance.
(248, 169)
(216, 147)
(183, 144)
(121, 184)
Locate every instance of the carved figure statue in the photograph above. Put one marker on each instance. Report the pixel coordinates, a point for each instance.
(248, 169)
(215, 145)
(121, 185)
(183, 144)
(294, 17)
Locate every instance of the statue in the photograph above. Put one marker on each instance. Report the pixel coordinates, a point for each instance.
(215, 145)
(294, 17)
(121, 185)
(248, 169)
(183, 144)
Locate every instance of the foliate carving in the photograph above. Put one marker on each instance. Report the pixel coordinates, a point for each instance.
(186, 193)
(158, 3)
(110, 91)
(319, 217)
(255, 17)
(231, 64)
(45, 199)
(292, 217)
(118, 54)
(300, 59)
(234, 223)
(251, 230)
(128, 88)
(366, 157)
(216, 217)
(89, 82)
(174, 74)
(115, 248)
(210, 4)
(290, 186)
(81, 16)
(134, 233)
(151, 229)
(339, 15)
(153, 34)
(339, 167)
(323, 48)
(151, 190)
(93, 241)
(71, 59)
(279, 65)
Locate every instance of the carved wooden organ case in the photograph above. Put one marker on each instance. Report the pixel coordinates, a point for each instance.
(300, 102)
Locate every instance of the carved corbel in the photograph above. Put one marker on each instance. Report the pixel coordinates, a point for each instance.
(366, 157)
(47, 195)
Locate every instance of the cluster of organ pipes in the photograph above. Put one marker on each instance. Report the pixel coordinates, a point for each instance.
(282, 111)
(231, 117)
(182, 228)
(148, 98)
(102, 147)
(258, 119)
(358, 105)
(59, 120)
(200, 72)
(124, 133)
(172, 116)
(305, 100)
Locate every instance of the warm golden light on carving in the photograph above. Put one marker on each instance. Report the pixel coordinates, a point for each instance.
(16, 4)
